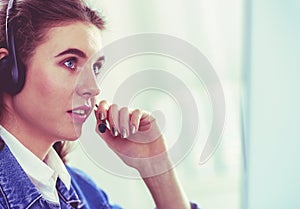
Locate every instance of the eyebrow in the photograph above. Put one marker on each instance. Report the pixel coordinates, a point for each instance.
(78, 53)
(101, 58)
(72, 51)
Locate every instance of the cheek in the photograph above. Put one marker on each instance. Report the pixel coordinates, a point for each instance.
(44, 86)
(48, 87)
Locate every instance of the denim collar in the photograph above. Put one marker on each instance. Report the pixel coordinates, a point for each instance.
(68, 196)
(14, 183)
(17, 188)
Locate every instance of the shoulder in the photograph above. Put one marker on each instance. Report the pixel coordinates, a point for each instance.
(82, 182)
(87, 190)
(79, 176)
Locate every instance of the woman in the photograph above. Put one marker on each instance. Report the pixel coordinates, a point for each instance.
(48, 73)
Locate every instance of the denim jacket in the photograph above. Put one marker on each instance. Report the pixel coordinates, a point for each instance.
(17, 191)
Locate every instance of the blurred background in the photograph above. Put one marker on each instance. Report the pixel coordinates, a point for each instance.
(253, 47)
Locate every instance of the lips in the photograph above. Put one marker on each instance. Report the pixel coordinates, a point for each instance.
(80, 114)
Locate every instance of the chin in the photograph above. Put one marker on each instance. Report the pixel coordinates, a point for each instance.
(73, 134)
(72, 138)
(76, 135)
(76, 132)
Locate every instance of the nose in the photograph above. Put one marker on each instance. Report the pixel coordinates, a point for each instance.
(87, 85)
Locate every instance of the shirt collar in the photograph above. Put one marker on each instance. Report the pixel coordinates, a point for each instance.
(54, 161)
(32, 165)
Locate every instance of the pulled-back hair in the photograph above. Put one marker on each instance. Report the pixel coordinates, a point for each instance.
(32, 19)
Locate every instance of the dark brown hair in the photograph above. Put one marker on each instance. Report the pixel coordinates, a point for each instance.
(32, 19)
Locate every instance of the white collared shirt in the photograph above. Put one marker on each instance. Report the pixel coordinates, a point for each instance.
(42, 174)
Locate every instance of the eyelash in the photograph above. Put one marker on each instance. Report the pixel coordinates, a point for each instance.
(96, 66)
(74, 65)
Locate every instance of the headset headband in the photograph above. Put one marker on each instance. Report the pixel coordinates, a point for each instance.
(11, 68)
(10, 40)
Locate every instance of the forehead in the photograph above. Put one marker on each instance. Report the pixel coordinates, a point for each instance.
(83, 36)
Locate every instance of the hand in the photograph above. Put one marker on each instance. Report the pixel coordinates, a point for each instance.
(134, 136)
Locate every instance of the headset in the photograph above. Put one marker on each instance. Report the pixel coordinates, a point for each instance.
(12, 70)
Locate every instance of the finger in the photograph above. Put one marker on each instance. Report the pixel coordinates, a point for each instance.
(102, 110)
(124, 122)
(146, 120)
(135, 121)
(113, 119)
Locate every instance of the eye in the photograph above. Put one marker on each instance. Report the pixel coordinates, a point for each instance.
(97, 67)
(71, 63)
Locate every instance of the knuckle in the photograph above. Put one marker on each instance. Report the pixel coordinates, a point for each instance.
(114, 107)
(124, 109)
(103, 102)
(137, 112)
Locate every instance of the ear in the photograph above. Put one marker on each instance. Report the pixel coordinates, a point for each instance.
(3, 52)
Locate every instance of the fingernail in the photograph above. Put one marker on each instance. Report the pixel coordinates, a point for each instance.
(102, 116)
(96, 107)
(114, 131)
(124, 133)
(133, 129)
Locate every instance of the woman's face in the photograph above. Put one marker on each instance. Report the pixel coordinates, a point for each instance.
(59, 91)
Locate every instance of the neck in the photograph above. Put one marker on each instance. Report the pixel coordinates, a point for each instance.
(33, 140)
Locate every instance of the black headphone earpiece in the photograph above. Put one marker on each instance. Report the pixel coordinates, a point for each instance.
(12, 70)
